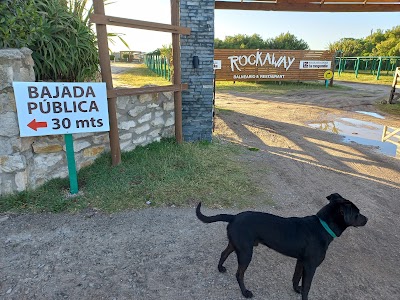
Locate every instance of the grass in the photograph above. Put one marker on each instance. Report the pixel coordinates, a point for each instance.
(163, 174)
(364, 78)
(138, 75)
(271, 87)
(392, 109)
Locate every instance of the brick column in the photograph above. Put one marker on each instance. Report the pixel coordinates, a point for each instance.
(197, 101)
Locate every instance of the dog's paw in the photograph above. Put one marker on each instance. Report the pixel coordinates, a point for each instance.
(222, 269)
(247, 294)
(297, 289)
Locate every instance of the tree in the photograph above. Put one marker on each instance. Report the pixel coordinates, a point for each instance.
(166, 51)
(255, 41)
(287, 41)
(240, 41)
(347, 46)
(389, 47)
(378, 43)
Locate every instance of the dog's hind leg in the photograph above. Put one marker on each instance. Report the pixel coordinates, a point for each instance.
(224, 256)
(298, 272)
(244, 258)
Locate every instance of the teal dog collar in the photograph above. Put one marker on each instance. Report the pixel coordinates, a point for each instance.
(323, 223)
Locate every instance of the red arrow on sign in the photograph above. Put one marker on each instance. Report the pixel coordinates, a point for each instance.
(35, 125)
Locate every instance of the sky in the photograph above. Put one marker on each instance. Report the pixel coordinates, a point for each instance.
(317, 29)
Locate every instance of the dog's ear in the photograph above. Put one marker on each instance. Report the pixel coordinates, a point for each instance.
(333, 197)
(348, 214)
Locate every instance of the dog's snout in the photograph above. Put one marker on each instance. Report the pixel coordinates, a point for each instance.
(363, 220)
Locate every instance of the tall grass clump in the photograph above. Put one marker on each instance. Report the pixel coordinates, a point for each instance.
(67, 50)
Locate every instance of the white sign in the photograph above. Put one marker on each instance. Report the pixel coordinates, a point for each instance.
(46, 108)
(315, 64)
(217, 64)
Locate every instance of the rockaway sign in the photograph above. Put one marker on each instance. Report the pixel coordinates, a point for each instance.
(260, 59)
(254, 65)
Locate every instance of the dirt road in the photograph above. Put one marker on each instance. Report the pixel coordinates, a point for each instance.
(168, 254)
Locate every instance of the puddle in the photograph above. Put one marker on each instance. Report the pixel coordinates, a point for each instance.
(360, 132)
(372, 114)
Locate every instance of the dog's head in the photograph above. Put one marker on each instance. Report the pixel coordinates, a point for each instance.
(347, 210)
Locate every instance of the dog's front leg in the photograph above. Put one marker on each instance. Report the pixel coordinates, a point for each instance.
(298, 272)
(308, 274)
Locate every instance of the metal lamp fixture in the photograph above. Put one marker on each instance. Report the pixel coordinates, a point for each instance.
(196, 62)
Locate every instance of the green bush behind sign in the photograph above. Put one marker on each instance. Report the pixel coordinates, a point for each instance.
(63, 44)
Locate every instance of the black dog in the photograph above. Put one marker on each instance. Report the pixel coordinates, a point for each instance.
(306, 239)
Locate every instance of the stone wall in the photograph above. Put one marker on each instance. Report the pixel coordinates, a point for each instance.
(30, 161)
(197, 101)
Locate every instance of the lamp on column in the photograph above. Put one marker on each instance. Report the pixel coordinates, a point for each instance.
(196, 62)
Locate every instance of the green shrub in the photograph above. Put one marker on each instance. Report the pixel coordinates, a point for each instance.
(20, 23)
(67, 50)
(57, 31)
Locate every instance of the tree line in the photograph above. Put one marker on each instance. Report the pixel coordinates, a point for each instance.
(378, 43)
(255, 41)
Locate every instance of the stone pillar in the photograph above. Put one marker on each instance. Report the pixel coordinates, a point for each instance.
(15, 65)
(197, 101)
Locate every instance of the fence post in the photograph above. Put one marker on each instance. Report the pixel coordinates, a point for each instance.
(98, 8)
(357, 65)
(176, 58)
(379, 68)
(165, 68)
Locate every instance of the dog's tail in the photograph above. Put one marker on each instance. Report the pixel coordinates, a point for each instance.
(211, 219)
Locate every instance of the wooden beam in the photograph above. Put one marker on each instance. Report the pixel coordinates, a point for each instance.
(104, 56)
(146, 90)
(307, 7)
(389, 134)
(176, 59)
(115, 21)
(342, 2)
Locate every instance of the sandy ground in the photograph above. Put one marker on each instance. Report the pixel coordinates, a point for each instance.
(168, 254)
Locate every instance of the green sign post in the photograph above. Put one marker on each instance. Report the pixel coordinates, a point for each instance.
(73, 178)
